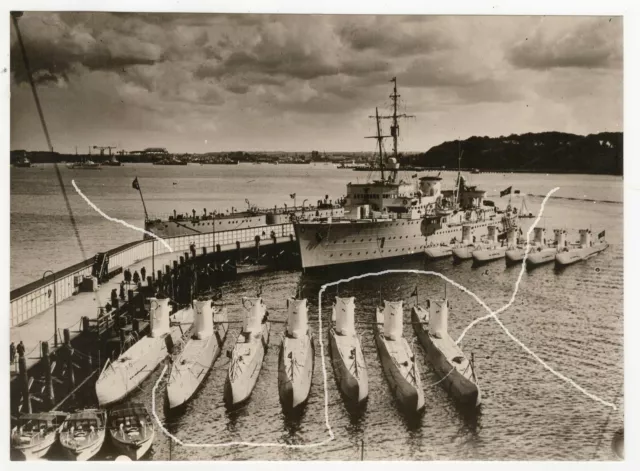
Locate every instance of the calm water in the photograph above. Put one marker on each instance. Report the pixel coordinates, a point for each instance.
(572, 319)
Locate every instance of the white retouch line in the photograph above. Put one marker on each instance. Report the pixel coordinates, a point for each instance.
(492, 314)
(119, 221)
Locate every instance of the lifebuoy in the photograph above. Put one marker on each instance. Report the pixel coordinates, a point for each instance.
(405, 201)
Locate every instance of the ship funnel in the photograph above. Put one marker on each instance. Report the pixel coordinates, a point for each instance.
(512, 237)
(430, 186)
(585, 237)
(492, 236)
(203, 322)
(344, 309)
(466, 234)
(538, 235)
(159, 316)
(255, 311)
(393, 319)
(438, 323)
(297, 322)
(561, 236)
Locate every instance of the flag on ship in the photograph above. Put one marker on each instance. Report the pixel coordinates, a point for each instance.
(516, 192)
(601, 235)
(293, 195)
(488, 203)
(506, 191)
(135, 184)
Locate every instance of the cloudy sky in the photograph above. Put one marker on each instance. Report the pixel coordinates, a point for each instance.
(203, 82)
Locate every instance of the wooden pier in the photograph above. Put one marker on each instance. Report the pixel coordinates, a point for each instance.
(100, 324)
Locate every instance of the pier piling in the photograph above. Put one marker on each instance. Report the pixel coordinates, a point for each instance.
(24, 381)
(49, 394)
(71, 379)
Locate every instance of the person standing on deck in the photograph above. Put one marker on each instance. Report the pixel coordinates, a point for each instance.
(143, 273)
(20, 349)
(122, 291)
(136, 278)
(12, 352)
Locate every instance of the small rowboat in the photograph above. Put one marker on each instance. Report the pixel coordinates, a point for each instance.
(457, 373)
(34, 434)
(248, 353)
(83, 434)
(196, 359)
(296, 359)
(398, 361)
(346, 354)
(131, 429)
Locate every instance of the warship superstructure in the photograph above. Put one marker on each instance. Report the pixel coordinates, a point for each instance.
(394, 217)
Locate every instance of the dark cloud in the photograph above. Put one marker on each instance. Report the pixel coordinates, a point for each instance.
(394, 36)
(54, 47)
(595, 43)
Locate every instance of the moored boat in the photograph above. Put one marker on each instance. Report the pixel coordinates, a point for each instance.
(435, 252)
(456, 371)
(581, 250)
(545, 252)
(85, 164)
(248, 353)
(398, 361)
(83, 433)
(516, 249)
(347, 359)
(131, 429)
(196, 359)
(491, 249)
(34, 434)
(122, 376)
(296, 359)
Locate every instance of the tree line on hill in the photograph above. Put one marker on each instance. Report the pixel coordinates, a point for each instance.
(553, 152)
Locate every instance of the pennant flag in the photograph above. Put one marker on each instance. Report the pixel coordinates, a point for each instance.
(506, 191)
(135, 184)
(601, 235)
(415, 175)
(517, 192)
(392, 80)
(415, 292)
(293, 195)
(488, 203)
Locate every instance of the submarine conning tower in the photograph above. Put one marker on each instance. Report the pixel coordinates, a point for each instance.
(561, 237)
(585, 237)
(538, 235)
(203, 319)
(344, 309)
(492, 235)
(297, 322)
(393, 314)
(466, 233)
(159, 316)
(512, 237)
(438, 325)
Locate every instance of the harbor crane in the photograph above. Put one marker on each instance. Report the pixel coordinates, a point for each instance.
(102, 149)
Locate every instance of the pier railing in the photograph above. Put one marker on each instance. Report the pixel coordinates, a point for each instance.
(36, 297)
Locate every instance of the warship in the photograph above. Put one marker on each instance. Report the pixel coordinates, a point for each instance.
(194, 224)
(392, 217)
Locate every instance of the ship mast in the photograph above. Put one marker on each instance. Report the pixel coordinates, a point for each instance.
(379, 137)
(395, 127)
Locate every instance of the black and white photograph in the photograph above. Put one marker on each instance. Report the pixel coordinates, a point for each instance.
(331, 237)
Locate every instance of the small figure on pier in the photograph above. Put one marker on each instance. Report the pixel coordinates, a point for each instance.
(143, 273)
(122, 295)
(127, 276)
(20, 349)
(136, 277)
(12, 352)
(114, 296)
